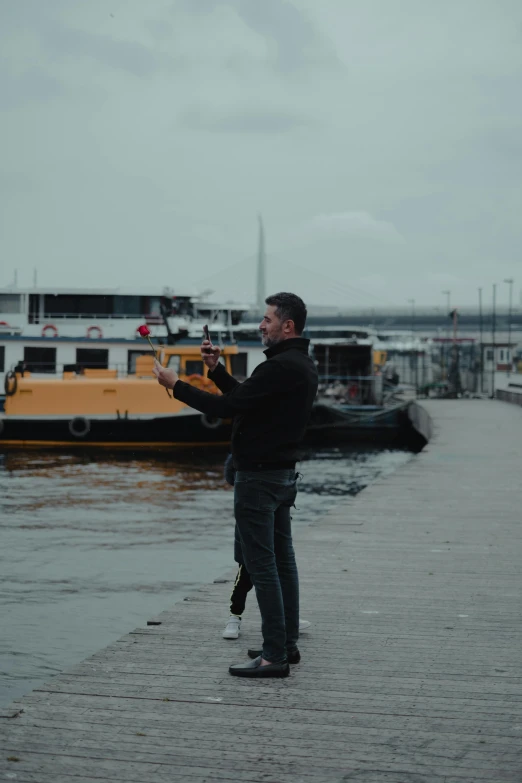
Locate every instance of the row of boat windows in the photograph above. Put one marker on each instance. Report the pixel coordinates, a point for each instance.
(43, 360)
(101, 306)
(43, 307)
(90, 305)
(502, 355)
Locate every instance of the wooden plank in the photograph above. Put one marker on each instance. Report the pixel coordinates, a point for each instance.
(410, 672)
(233, 719)
(457, 754)
(331, 737)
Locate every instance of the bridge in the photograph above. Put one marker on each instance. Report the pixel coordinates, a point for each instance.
(427, 321)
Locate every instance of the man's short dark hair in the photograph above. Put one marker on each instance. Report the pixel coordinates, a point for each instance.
(289, 307)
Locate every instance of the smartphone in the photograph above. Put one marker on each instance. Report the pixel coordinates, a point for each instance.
(207, 337)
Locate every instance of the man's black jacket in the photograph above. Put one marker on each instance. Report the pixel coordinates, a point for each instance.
(270, 409)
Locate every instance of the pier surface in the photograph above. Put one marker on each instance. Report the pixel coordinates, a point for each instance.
(411, 671)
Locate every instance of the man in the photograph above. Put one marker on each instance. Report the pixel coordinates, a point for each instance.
(270, 411)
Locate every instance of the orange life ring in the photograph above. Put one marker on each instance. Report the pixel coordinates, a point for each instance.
(50, 328)
(199, 381)
(97, 329)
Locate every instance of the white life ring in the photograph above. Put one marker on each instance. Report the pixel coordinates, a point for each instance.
(79, 427)
(50, 328)
(210, 423)
(94, 329)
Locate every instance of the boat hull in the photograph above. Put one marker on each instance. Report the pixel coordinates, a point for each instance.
(160, 432)
(405, 427)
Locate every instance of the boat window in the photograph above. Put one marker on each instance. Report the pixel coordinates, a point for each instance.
(92, 358)
(154, 305)
(40, 359)
(84, 305)
(238, 363)
(2, 358)
(10, 303)
(489, 355)
(194, 367)
(173, 363)
(131, 359)
(338, 362)
(34, 308)
(128, 305)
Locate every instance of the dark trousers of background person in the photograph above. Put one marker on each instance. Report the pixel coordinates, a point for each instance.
(262, 503)
(242, 587)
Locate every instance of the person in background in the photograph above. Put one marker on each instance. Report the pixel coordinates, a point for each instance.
(270, 412)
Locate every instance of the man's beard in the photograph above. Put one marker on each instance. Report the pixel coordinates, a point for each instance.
(269, 342)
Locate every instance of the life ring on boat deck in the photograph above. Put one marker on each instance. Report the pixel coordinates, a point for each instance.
(4, 323)
(79, 427)
(50, 328)
(353, 391)
(10, 388)
(97, 329)
(199, 381)
(210, 423)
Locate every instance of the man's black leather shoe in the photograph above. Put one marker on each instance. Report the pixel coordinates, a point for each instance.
(292, 657)
(254, 669)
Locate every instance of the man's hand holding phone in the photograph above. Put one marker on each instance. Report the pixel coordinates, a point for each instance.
(209, 353)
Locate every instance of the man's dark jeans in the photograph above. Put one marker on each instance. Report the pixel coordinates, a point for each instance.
(262, 502)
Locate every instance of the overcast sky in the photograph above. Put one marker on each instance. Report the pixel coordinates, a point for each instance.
(380, 139)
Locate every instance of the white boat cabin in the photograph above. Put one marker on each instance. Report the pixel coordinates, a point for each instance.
(52, 330)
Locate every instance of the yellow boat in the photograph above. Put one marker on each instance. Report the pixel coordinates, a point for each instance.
(104, 409)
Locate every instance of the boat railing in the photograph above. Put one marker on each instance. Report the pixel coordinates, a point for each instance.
(67, 371)
(150, 318)
(46, 369)
(351, 389)
(46, 317)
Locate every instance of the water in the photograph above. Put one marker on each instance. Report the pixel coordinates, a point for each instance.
(92, 546)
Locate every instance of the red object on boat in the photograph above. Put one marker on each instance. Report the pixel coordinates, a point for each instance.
(143, 330)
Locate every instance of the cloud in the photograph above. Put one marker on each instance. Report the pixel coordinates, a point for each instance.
(159, 28)
(357, 223)
(395, 124)
(295, 41)
(246, 121)
(48, 32)
(34, 84)
(130, 56)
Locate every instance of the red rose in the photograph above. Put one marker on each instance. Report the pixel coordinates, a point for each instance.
(145, 332)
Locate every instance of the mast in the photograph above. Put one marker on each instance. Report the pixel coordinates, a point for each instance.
(261, 269)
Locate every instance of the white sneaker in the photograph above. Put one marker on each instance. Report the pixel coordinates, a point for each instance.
(232, 627)
(304, 624)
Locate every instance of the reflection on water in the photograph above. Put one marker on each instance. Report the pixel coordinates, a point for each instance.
(93, 545)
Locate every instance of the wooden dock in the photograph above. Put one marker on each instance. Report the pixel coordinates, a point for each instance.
(411, 672)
